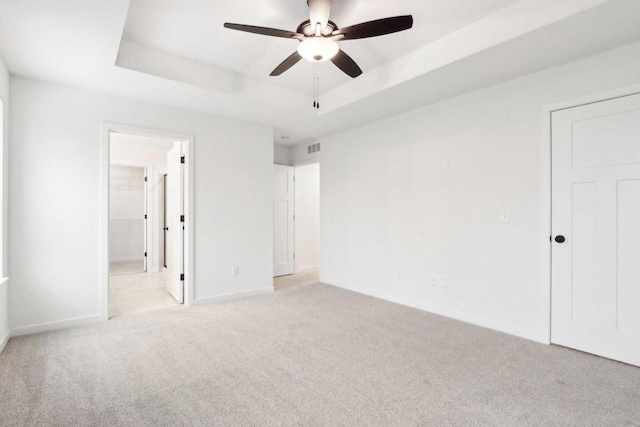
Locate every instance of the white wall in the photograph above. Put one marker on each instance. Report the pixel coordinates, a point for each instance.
(298, 153)
(386, 234)
(126, 214)
(4, 144)
(55, 145)
(152, 154)
(281, 155)
(307, 209)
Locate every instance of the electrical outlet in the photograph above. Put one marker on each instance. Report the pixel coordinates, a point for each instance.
(399, 274)
(443, 282)
(434, 280)
(400, 170)
(235, 271)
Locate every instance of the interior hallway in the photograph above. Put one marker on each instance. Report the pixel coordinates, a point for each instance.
(135, 293)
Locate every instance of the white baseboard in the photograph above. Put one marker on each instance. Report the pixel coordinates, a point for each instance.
(4, 341)
(52, 326)
(4, 307)
(464, 317)
(116, 260)
(232, 296)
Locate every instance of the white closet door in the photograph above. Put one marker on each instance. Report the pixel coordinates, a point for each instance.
(596, 209)
(283, 238)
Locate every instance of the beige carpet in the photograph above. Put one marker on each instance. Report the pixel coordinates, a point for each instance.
(308, 355)
(135, 293)
(126, 267)
(306, 277)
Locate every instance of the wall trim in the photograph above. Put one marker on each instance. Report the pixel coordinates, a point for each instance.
(113, 260)
(546, 213)
(233, 296)
(306, 162)
(5, 341)
(189, 247)
(307, 267)
(537, 336)
(52, 326)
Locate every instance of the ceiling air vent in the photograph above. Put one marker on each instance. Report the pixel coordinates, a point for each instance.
(313, 148)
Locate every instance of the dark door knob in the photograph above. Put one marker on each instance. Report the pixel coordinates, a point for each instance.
(560, 239)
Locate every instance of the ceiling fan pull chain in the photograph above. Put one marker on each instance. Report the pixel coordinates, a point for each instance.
(317, 86)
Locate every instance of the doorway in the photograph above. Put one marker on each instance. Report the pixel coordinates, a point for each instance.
(146, 196)
(296, 225)
(127, 220)
(595, 251)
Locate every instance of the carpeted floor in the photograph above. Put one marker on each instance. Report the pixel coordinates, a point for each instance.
(305, 277)
(134, 293)
(307, 355)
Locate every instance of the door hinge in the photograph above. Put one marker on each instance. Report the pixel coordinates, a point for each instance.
(145, 179)
(145, 254)
(182, 277)
(182, 159)
(181, 218)
(145, 216)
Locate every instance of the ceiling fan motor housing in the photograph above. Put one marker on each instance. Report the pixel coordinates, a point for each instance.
(306, 29)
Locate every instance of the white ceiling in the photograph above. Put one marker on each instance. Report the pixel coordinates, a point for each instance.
(194, 29)
(177, 52)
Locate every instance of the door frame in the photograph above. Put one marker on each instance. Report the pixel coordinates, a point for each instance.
(546, 208)
(188, 141)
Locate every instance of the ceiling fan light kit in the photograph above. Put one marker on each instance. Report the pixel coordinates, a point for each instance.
(319, 37)
(318, 49)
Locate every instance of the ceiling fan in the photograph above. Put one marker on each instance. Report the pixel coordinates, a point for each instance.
(318, 37)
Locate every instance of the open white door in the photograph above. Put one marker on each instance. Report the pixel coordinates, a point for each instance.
(596, 226)
(174, 222)
(283, 239)
(146, 221)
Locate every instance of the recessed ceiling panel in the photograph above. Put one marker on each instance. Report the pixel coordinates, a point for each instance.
(194, 29)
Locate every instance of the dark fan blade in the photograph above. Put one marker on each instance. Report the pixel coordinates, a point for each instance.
(319, 11)
(286, 64)
(346, 64)
(376, 28)
(264, 31)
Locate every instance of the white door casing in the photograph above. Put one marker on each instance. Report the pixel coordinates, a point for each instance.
(596, 208)
(283, 217)
(175, 234)
(146, 236)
